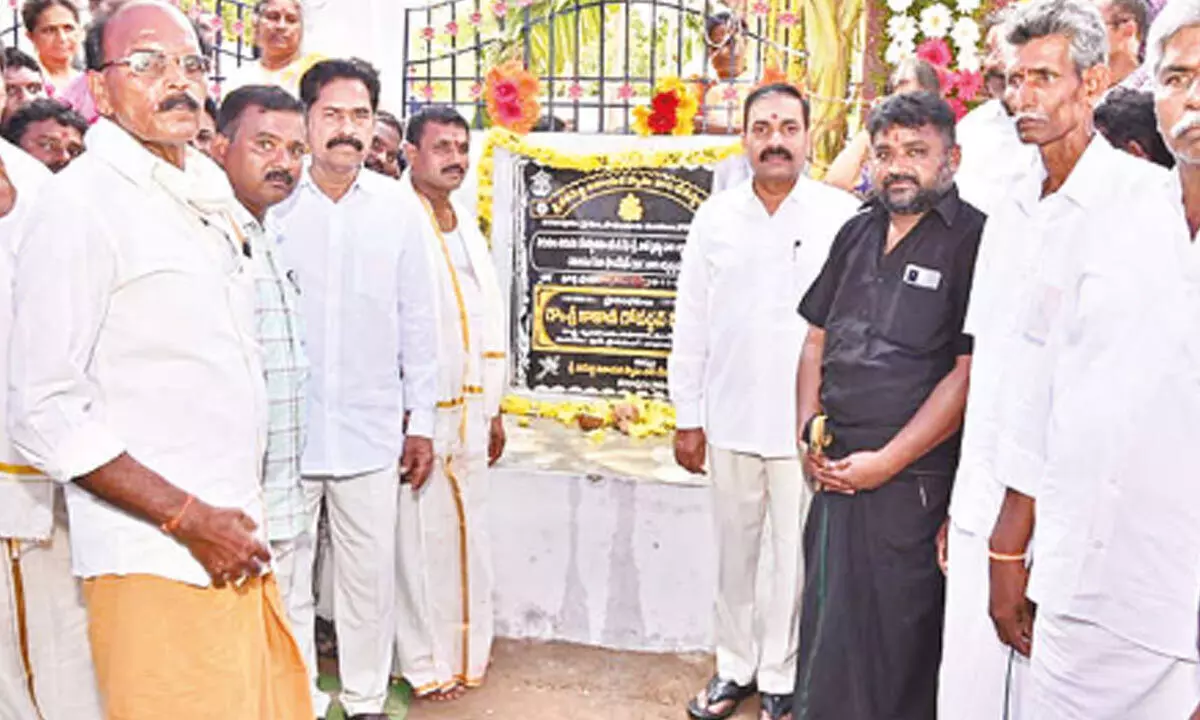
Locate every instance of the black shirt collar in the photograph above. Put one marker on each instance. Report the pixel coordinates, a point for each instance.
(946, 208)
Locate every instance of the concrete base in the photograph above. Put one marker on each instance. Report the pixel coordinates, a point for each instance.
(618, 563)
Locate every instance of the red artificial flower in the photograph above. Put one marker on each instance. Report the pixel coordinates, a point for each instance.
(667, 102)
(787, 18)
(427, 33)
(506, 91)
(476, 18)
(510, 112)
(958, 106)
(575, 91)
(936, 52)
(625, 91)
(969, 84)
(661, 123)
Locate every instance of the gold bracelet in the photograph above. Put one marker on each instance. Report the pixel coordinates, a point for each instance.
(1006, 557)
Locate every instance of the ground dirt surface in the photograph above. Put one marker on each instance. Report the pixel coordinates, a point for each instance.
(557, 681)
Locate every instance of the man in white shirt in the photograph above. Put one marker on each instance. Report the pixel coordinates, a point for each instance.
(279, 37)
(45, 662)
(444, 614)
(1100, 367)
(1174, 59)
(135, 382)
(751, 254)
(367, 303)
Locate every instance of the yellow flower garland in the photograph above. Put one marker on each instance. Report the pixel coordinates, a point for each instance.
(518, 145)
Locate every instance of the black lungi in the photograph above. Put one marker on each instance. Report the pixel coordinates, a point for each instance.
(871, 630)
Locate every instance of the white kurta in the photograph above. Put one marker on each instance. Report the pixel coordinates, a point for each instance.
(444, 594)
(45, 663)
(980, 676)
(1099, 426)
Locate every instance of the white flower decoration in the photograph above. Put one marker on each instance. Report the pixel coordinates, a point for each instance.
(968, 6)
(968, 60)
(898, 51)
(903, 27)
(899, 6)
(935, 20)
(965, 33)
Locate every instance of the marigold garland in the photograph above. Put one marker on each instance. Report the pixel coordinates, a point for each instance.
(672, 110)
(499, 137)
(511, 96)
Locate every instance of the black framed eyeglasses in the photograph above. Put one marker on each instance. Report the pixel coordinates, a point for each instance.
(153, 64)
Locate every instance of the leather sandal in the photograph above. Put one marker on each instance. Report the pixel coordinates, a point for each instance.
(777, 707)
(719, 691)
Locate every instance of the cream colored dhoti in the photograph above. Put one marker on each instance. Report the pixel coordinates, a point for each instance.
(45, 664)
(166, 649)
(444, 615)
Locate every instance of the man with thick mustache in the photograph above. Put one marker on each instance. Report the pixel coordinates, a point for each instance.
(261, 143)
(135, 381)
(751, 253)
(444, 619)
(367, 302)
(884, 372)
(1084, 276)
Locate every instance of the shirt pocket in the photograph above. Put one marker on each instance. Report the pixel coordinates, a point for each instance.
(914, 317)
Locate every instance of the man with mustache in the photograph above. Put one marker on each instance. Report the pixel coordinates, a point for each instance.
(751, 253)
(1085, 321)
(136, 383)
(49, 131)
(1174, 60)
(261, 144)
(884, 370)
(279, 40)
(444, 617)
(40, 609)
(367, 303)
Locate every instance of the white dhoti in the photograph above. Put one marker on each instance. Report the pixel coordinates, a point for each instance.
(362, 523)
(758, 623)
(980, 678)
(1082, 671)
(444, 615)
(46, 670)
(444, 612)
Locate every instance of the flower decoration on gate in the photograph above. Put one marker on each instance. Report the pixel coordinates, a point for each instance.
(511, 96)
(944, 33)
(672, 110)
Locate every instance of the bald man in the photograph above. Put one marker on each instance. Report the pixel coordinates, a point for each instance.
(136, 383)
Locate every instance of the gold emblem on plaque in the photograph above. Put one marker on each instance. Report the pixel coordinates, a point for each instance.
(630, 209)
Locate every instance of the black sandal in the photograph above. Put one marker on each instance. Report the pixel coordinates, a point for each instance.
(776, 707)
(718, 691)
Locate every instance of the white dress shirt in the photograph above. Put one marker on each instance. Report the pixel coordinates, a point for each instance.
(738, 335)
(993, 156)
(134, 332)
(1008, 252)
(1102, 417)
(367, 303)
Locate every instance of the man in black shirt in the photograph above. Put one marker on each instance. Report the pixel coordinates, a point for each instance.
(886, 362)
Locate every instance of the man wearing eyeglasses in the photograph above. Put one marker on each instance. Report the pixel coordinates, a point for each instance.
(137, 383)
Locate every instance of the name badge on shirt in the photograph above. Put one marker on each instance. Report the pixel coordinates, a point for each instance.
(922, 277)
